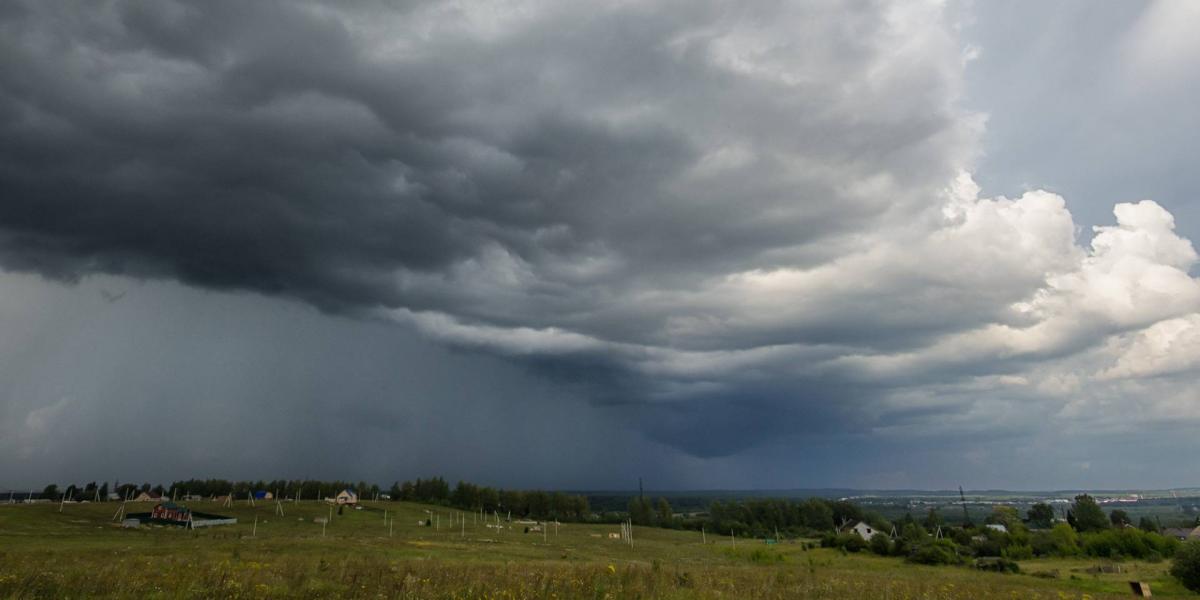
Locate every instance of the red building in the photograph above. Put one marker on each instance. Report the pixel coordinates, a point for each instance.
(169, 511)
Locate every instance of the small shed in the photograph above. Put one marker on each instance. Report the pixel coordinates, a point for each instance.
(346, 496)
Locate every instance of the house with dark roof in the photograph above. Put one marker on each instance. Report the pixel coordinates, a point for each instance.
(1182, 534)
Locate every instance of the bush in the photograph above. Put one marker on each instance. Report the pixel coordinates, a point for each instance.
(850, 542)
(1063, 539)
(764, 557)
(999, 565)
(1017, 552)
(1128, 543)
(937, 552)
(1186, 566)
(881, 545)
(986, 547)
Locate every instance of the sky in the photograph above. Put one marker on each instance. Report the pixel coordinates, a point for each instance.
(875, 244)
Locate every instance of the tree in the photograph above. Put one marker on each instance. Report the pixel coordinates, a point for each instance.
(880, 544)
(664, 511)
(933, 520)
(1064, 540)
(1119, 518)
(1147, 524)
(640, 512)
(1004, 515)
(1088, 515)
(1186, 566)
(50, 491)
(1041, 516)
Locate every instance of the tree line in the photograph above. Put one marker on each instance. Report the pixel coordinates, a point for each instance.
(535, 504)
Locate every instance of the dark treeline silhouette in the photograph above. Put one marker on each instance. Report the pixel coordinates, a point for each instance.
(281, 488)
(468, 496)
(764, 517)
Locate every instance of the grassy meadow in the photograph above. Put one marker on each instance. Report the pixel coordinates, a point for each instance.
(81, 553)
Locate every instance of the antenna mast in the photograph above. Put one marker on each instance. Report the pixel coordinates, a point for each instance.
(966, 516)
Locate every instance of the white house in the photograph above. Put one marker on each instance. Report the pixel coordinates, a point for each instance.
(863, 530)
(346, 496)
(997, 527)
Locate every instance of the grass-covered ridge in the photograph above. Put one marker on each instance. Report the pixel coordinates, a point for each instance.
(80, 553)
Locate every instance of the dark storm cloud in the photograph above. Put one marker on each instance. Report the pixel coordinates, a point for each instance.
(697, 215)
(281, 148)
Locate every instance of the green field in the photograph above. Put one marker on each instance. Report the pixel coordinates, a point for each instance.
(81, 553)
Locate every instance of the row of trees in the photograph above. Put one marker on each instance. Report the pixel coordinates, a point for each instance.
(91, 490)
(658, 513)
(534, 504)
(764, 517)
(1017, 542)
(466, 496)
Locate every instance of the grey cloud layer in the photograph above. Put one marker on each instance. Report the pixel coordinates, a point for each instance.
(756, 217)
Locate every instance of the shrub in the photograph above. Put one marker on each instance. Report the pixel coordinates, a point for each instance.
(961, 536)
(1017, 552)
(850, 542)
(986, 547)
(1186, 566)
(937, 552)
(1064, 540)
(999, 565)
(764, 557)
(881, 545)
(1128, 543)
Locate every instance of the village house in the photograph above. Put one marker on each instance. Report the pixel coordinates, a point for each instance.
(346, 496)
(863, 530)
(1182, 534)
(147, 497)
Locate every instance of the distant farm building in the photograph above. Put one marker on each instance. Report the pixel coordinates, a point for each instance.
(863, 530)
(346, 496)
(147, 497)
(169, 513)
(997, 527)
(263, 495)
